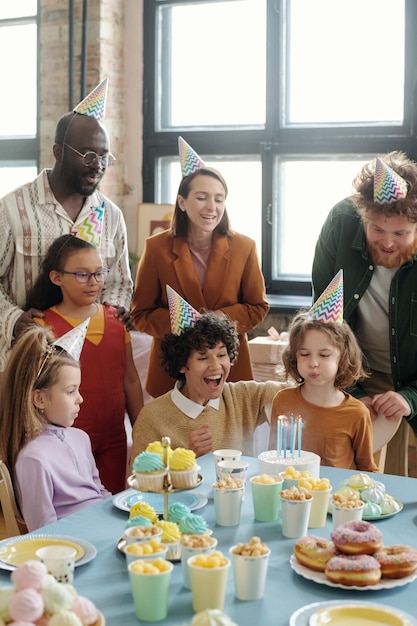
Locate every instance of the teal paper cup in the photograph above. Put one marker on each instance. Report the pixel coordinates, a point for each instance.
(150, 592)
(266, 499)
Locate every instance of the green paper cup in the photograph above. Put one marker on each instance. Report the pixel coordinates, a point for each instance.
(265, 496)
(150, 592)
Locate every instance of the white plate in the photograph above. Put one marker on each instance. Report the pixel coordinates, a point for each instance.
(88, 548)
(302, 616)
(125, 499)
(374, 518)
(320, 578)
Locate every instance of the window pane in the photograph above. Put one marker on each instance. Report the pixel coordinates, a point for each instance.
(299, 216)
(21, 8)
(11, 176)
(18, 80)
(212, 64)
(338, 68)
(244, 201)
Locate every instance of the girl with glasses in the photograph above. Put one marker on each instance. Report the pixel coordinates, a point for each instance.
(67, 291)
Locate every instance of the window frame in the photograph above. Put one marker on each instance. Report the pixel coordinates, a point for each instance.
(276, 139)
(23, 150)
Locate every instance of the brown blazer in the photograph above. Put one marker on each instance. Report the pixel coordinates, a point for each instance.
(234, 283)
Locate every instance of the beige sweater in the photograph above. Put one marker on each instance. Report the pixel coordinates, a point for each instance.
(243, 406)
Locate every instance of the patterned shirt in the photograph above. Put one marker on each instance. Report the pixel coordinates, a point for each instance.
(30, 220)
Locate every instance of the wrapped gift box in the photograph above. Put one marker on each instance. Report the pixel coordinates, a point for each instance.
(266, 350)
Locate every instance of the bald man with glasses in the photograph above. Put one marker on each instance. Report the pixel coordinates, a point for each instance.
(61, 200)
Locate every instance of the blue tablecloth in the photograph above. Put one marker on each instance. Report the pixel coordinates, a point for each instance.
(105, 580)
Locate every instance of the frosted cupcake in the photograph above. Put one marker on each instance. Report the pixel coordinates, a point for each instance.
(183, 469)
(171, 535)
(193, 525)
(177, 511)
(143, 509)
(150, 471)
(157, 447)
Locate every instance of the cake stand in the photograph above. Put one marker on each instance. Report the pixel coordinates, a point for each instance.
(168, 488)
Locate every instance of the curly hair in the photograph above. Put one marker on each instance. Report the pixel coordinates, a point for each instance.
(205, 334)
(364, 186)
(350, 367)
(179, 222)
(44, 293)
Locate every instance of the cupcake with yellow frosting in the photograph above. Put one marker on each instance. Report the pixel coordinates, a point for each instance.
(143, 509)
(171, 535)
(183, 469)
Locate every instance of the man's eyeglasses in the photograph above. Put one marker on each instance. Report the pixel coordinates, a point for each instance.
(90, 157)
(85, 277)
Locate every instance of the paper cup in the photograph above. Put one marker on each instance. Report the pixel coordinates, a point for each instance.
(266, 500)
(187, 552)
(228, 505)
(225, 455)
(150, 593)
(319, 507)
(234, 469)
(249, 573)
(342, 514)
(208, 585)
(288, 482)
(60, 561)
(131, 556)
(142, 534)
(294, 517)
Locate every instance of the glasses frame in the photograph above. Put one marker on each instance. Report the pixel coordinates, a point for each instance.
(104, 160)
(103, 272)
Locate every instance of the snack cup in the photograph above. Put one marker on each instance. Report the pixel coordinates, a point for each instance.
(208, 585)
(319, 507)
(225, 455)
(234, 469)
(342, 514)
(187, 552)
(288, 482)
(132, 534)
(150, 593)
(266, 500)
(228, 505)
(60, 561)
(249, 573)
(294, 517)
(131, 556)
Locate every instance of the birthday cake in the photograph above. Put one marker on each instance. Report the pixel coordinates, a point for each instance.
(271, 463)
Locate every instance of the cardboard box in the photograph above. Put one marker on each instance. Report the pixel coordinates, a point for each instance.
(266, 350)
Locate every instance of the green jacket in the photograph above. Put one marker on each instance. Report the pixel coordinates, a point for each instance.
(342, 244)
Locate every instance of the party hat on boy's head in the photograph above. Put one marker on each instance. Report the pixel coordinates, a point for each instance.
(190, 161)
(73, 341)
(182, 314)
(329, 307)
(94, 105)
(388, 185)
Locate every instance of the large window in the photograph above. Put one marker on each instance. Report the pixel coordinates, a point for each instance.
(287, 98)
(19, 100)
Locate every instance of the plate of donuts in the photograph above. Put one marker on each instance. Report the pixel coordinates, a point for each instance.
(353, 612)
(321, 579)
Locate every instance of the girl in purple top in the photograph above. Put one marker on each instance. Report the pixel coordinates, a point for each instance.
(51, 463)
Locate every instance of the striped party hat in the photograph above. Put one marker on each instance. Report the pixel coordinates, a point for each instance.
(388, 185)
(182, 314)
(91, 228)
(73, 341)
(190, 161)
(94, 105)
(329, 307)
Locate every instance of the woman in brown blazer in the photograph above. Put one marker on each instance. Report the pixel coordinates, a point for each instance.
(212, 267)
